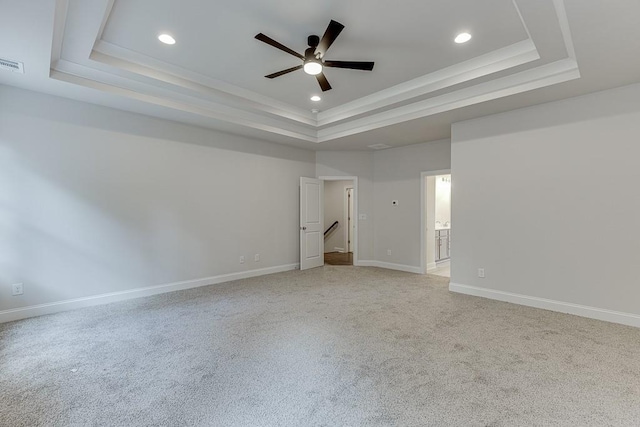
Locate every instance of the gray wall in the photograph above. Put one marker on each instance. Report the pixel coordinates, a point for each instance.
(94, 200)
(546, 199)
(397, 177)
(386, 175)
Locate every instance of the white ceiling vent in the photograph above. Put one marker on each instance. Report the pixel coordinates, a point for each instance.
(379, 146)
(16, 67)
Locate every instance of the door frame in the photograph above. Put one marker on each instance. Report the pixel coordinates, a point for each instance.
(354, 179)
(346, 217)
(423, 225)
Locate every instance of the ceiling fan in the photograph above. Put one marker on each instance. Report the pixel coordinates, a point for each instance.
(313, 59)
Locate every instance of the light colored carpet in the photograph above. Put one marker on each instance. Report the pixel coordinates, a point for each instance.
(331, 346)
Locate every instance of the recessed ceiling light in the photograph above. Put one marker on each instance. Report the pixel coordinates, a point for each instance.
(166, 39)
(315, 98)
(462, 38)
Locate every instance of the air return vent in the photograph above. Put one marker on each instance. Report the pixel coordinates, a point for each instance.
(16, 67)
(379, 146)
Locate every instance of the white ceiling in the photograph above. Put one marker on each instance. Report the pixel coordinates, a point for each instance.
(523, 52)
(217, 40)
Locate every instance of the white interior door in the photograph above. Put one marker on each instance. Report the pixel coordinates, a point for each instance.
(311, 223)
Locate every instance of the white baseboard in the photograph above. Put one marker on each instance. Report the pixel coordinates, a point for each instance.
(391, 266)
(366, 263)
(547, 304)
(432, 266)
(55, 307)
(341, 250)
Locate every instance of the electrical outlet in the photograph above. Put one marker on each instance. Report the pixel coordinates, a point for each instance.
(256, 257)
(17, 289)
(389, 252)
(481, 273)
(242, 259)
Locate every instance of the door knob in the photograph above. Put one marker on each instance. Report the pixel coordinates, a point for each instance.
(303, 228)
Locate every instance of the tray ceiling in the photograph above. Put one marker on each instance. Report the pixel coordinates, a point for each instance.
(106, 51)
(216, 40)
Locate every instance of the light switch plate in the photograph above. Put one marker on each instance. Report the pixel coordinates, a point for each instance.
(17, 289)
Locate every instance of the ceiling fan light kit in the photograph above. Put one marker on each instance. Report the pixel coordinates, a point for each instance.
(312, 67)
(312, 60)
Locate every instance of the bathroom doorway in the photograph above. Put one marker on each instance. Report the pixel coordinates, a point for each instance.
(436, 223)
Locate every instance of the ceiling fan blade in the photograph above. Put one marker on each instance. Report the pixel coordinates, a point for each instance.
(268, 40)
(330, 34)
(324, 83)
(280, 73)
(354, 65)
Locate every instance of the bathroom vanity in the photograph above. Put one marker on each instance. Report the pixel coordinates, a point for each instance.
(443, 243)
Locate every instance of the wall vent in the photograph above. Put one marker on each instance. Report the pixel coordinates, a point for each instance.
(16, 67)
(379, 146)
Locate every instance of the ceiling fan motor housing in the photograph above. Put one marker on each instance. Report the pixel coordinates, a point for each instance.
(310, 54)
(313, 41)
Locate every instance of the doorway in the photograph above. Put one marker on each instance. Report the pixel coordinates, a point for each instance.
(340, 224)
(349, 219)
(436, 233)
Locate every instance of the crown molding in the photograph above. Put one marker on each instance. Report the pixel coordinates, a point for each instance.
(546, 75)
(72, 73)
(196, 84)
(116, 70)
